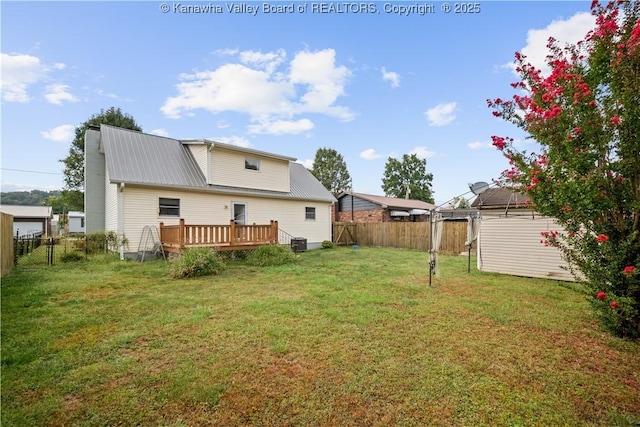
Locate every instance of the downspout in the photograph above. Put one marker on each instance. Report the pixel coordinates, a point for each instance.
(121, 219)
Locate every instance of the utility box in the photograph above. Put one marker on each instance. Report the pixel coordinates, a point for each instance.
(298, 244)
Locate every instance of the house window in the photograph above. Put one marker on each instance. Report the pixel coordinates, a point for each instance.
(310, 213)
(169, 207)
(251, 164)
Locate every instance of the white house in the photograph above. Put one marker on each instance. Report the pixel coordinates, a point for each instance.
(509, 237)
(133, 180)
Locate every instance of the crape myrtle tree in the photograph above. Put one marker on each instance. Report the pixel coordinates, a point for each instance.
(409, 174)
(74, 162)
(585, 115)
(330, 169)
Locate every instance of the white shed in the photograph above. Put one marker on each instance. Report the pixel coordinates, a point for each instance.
(76, 222)
(509, 238)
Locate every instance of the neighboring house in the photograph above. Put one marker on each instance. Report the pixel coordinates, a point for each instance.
(75, 222)
(133, 180)
(360, 207)
(509, 239)
(29, 220)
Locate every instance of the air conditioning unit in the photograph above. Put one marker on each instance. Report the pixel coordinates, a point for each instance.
(298, 244)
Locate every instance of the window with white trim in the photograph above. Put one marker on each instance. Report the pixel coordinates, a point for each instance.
(168, 207)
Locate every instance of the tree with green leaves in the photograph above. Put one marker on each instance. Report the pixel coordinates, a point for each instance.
(74, 162)
(330, 169)
(459, 202)
(407, 175)
(585, 115)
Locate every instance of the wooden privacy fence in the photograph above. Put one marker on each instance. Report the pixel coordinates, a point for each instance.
(410, 235)
(231, 236)
(6, 243)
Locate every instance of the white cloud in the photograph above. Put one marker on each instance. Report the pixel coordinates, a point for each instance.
(479, 145)
(370, 154)
(308, 163)
(160, 132)
(324, 80)
(311, 84)
(8, 186)
(234, 140)
(62, 133)
(59, 93)
(222, 124)
(101, 92)
(441, 114)
(18, 72)
(280, 127)
(422, 152)
(564, 31)
(392, 77)
(268, 61)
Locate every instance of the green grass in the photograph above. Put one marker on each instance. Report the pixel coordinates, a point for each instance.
(341, 337)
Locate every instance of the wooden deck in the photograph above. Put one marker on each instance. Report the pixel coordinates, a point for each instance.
(230, 237)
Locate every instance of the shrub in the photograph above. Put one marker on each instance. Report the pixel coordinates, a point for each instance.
(72, 256)
(269, 255)
(196, 262)
(101, 242)
(327, 244)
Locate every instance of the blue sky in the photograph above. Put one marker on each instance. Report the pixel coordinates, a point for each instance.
(370, 85)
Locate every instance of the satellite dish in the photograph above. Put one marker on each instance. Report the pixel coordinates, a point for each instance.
(479, 187)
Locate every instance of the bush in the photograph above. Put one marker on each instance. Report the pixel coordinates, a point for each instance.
(327, 244)
(72, 256)
(269, 255)
(101, 242)
(196, 262)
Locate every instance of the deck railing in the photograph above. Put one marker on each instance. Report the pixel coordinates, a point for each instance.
(223, 237)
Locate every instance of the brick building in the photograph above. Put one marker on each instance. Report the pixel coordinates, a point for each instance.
(359, 207)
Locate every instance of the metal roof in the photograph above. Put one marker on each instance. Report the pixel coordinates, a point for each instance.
(137, 158)
(500, 198)
(27, 211)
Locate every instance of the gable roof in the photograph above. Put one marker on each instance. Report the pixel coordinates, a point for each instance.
(495, 198)
(27, 211)
(138, 158)
(393, 202)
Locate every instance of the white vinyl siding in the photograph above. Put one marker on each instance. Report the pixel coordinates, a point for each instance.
(111, 205)
(141, 208)
(511, 245)
(228, 168)
(199, 152)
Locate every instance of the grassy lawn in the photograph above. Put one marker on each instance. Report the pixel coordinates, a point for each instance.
(341, 338)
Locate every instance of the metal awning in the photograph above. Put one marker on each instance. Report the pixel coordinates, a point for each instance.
(418, 212)
(399, 213)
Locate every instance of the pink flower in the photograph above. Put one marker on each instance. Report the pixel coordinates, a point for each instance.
(615, 120)
(614, 304)
(630, 269)
(602, 238)
(601, 296)
(498, 142)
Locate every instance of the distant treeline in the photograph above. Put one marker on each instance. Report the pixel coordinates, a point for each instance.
(29, 198)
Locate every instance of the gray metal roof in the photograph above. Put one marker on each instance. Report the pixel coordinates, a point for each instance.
(137, 158)
(27, 211)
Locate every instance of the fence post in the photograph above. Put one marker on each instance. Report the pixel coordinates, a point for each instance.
(232, 233)
(181, 232)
